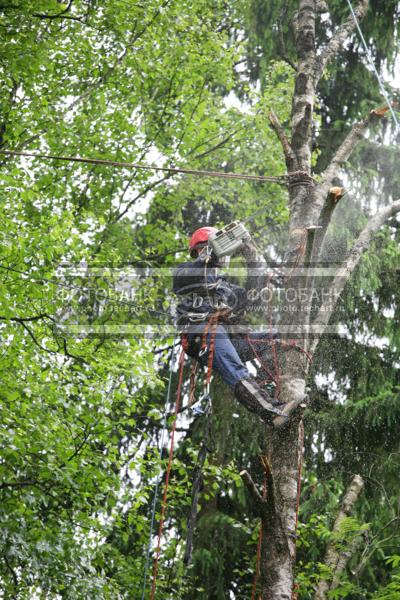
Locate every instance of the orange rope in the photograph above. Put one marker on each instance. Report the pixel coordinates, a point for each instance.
(211, 326)
(214, 326)
(258, 357)
(192, 382)
(258, 559)
(171, 452)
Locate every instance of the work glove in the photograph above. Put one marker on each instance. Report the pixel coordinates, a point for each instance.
(249, 249)
(208, 254)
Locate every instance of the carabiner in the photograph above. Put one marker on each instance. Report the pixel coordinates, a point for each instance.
(203, 351)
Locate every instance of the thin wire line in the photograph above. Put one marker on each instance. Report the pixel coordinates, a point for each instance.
(153, 510)
(112, 163)
(371, 61)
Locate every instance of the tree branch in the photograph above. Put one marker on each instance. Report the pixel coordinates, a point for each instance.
(350, 263)
(147, 189)
(335, 558)
(17, 484)
(13, 574)
(60, 15)
(20, 319)
(280, 132)
(282, 49)
(339, 38)
(251, 486)
(38, 344)
(345, 149)
(366, 555)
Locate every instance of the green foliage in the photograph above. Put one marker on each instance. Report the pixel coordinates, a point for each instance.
(392, 589)
(159, 82)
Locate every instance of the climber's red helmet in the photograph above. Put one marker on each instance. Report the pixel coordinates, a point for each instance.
(199, 238)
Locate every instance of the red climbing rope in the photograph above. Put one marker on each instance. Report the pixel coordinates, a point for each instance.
(171, 452)
(211, 327)
(192, 382)
(275, 377)
(273, 343)
(271, 375)
(212, 324)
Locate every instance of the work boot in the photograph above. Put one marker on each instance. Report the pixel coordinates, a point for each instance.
(249, 393)
(288, 409)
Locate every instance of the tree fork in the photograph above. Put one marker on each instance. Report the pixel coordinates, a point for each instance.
(278, 518)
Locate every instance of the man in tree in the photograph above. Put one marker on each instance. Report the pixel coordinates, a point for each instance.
(206, 296)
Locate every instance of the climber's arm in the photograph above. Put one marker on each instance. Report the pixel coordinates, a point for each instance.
(257, 274)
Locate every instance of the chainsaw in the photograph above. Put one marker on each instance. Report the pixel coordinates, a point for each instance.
(229, 239)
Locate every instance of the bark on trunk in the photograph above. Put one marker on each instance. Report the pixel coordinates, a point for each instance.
(279, 516)
(285, 447)
(278, 513)
(310, 214)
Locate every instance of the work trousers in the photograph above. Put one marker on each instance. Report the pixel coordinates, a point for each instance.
(230, 351)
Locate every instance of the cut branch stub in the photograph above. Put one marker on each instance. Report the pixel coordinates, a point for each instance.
(331, 201)
(336, 192)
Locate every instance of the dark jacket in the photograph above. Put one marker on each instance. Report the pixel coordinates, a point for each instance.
(202, 290)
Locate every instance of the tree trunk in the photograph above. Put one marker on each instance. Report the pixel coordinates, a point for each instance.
(284, 450)
(279, 514)
(311, 206)
(306, 200)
